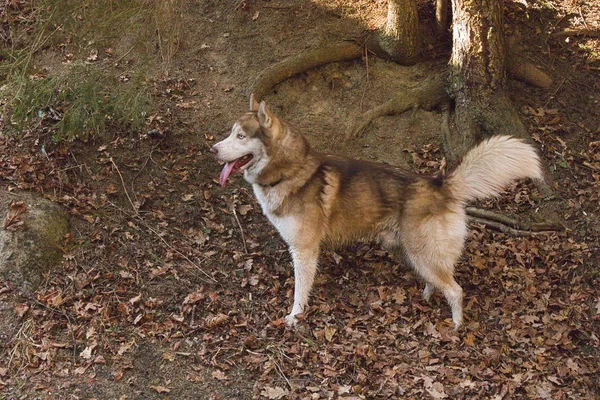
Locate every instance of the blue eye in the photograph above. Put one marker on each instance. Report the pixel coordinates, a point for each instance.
(240, 136)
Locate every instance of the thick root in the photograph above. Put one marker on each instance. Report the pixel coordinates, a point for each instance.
(294, 65)
(525, 71)
(427, 96)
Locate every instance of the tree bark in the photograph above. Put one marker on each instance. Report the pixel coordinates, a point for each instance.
(477, 76)
(400, 38)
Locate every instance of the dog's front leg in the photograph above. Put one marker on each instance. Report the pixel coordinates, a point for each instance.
(305, 267)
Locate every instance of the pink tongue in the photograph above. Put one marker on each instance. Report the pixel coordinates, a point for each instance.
(226, 172)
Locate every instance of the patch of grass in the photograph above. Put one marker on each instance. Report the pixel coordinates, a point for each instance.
(79, 102)
(81, 98)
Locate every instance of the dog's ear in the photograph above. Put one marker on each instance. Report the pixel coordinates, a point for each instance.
(265, 118)
(253, 103)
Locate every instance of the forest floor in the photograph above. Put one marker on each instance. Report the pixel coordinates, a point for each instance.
(175, 288)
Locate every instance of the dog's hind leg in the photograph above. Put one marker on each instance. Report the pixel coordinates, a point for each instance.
(433, 246)
(305, 267)
(440, 277)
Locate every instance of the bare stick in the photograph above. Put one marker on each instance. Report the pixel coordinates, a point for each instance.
(240, 226)
(124, 187)
(578, 32)
(507, 229)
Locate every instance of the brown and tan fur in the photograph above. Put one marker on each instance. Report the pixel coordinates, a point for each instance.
(314, 199)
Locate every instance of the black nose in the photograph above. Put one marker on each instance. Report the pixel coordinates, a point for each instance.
(214, 150)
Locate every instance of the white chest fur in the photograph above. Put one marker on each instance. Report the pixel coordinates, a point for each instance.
(270, 200)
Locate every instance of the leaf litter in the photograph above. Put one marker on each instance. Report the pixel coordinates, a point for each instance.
(156, 276)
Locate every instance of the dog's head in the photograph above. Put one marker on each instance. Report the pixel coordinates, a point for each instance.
(248, 145)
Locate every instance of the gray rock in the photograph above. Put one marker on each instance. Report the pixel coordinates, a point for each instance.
(32, 245)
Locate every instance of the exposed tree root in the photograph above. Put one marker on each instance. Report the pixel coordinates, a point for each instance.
(525, 71)
(427, 96)
(291, 66)
(521, 69)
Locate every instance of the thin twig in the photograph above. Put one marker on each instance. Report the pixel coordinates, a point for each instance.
(124, 188)
(141, 221)
(241, 230)
(554, 94)
(362, 98)
(282, 374)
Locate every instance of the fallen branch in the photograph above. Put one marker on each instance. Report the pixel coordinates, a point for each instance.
(578, 32)
(509, 225)
(297, 64)
(506, 229)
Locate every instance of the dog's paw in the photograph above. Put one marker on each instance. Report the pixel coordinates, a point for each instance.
(291, 321)
(427, 292)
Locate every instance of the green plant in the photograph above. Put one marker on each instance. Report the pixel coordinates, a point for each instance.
(78, 102)
(80, 99)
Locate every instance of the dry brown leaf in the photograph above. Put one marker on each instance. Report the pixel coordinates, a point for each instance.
(469, 339)
(219, 375)
(160, 389)
(21, 309)
(274, 393)
(87, 352)
(12, 222)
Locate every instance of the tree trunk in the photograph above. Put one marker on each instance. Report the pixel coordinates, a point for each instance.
(400, 38)
(441, 16)
(477, 76)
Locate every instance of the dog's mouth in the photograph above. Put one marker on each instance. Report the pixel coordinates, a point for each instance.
(234, 166)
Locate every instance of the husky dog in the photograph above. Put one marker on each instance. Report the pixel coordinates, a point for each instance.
(315, 199)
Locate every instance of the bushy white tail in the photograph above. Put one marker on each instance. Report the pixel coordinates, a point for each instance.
(488, 167)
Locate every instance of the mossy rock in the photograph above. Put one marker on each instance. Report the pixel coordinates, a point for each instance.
(32, 246)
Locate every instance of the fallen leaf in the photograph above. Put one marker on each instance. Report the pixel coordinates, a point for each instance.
(469, 339)
(160, 389)
(21, 309)
(274, 392)
(329, 333)
(12, 221)
(124, 347)
(399, 296)
(217, 320)
(219, 375)
(87, 352)
(435, 389)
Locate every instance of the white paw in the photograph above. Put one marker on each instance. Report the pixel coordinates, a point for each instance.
(291, 321)
(427, 292)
